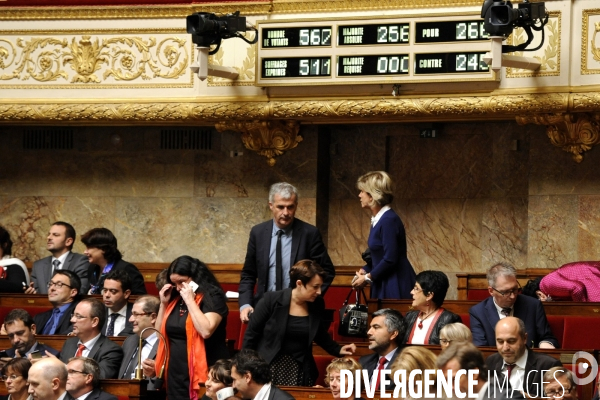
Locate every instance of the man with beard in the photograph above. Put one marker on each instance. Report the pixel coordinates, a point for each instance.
(20, 330)
(385, 335)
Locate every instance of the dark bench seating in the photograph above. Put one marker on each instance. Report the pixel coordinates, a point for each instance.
(123, 389)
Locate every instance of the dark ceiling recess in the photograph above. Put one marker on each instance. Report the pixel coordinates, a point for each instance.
(186, 139)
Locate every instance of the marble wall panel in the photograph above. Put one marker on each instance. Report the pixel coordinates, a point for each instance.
(349, 227)
(451, 166)
(552, 231)
(504, 232)
(443, 234)
(217, 174)
(28, 219)
(355, 150)
(553, 171)
(589, 228)
(510, 157)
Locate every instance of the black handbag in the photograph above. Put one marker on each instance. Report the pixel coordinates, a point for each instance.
(354, 318)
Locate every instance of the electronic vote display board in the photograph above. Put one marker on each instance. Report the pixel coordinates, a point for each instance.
(372, 51)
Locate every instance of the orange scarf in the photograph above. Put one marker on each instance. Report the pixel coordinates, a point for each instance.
(196, 352)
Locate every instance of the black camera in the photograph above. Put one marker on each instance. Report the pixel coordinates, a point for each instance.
(500, 18)
(208, 29)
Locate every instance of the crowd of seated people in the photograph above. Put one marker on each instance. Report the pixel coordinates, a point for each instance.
(177, 340)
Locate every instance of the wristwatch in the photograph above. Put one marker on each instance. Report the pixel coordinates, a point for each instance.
(367, 279)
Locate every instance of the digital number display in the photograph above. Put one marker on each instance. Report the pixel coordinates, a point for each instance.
(296, 37)
(449, 31)
(394, 64)
(352, 35)
(295, 67)
(449, 63)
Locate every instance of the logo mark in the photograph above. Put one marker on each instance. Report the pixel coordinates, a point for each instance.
(586, 368)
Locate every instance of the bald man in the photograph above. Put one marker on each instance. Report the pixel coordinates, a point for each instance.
(48, 379)
(526, 367)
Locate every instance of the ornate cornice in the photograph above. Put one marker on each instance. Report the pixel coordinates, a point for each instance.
(322, 111)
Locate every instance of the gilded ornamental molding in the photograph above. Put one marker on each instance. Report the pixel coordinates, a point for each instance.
(574, 133)
(267, 138)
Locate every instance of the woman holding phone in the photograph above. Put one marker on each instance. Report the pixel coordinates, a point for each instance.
(192, 317)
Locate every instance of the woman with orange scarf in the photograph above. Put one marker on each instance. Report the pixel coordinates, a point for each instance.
(193, 319)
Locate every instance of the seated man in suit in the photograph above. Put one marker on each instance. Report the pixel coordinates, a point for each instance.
(506, 301)
(63, 294)
(83, 381)
(560, 383)
(252, 377)
(275, 245)
(143, 315)
(523, 368)
(465, 356)
(48, 380)
(20, 330)
(60, 243)
(385, 336)
(115, 294)
(88, 319)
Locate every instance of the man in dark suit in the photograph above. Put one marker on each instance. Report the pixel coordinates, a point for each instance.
(60, 243)
(523, 367)
(84, 379)
(251, 375)
(63, 294)
(47, 380)
(20, 330)
(115, 294)
(104, 256)
(275, 245)
(465, 357)
(88, 318)
(506, 300)
(385, 336)
(145, 310)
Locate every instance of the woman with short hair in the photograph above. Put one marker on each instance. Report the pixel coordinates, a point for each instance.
(455, 333)
(14, 375)
(332, 375)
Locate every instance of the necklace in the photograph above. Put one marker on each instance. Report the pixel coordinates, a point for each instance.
(182, 308)
(420, 325)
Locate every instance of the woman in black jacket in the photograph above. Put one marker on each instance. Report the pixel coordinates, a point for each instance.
(425, 323)
(286, 322)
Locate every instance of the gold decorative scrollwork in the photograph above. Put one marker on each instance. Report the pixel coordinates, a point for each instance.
(574, 133)
(123, 59)
(246, 72)
(595, 50)
(267, 138)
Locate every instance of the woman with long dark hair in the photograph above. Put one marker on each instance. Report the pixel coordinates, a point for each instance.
(193, 318)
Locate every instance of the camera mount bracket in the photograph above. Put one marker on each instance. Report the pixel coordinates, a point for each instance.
(203, 69)
(497, 60)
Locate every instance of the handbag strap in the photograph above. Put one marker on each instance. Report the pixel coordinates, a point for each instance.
(358, 293)
(348, 297)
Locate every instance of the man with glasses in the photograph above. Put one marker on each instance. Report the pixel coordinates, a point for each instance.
(143, 315)
(59, 243)
(507, 301)
(559, 383)
(83, 380)
(63, 294)
(20, 330)
(515, 363)
(115, 294)
(87, 320)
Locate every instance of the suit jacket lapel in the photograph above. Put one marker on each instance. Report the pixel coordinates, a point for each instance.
(68, 261)
(96, 346)
(492, 314)
(296, 238)
(281, 311)
(266, 242)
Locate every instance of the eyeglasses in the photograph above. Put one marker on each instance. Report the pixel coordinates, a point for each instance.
(78, 317)
(445, 341)
(416, 289)
(139, 314)
(508, 293)
(11, 377)
(57, 284)
(558, 392)
(74, 371)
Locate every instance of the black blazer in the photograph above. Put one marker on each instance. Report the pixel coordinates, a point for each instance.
(446, 318)
(41, 347)
(64, 325)
(484, 318)
(277, 394)
(306, 244)
(128, 329)
(266, 330)
(105, 352)
(137, 280)
(42, 272)
(98, 394)
(536, 362)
